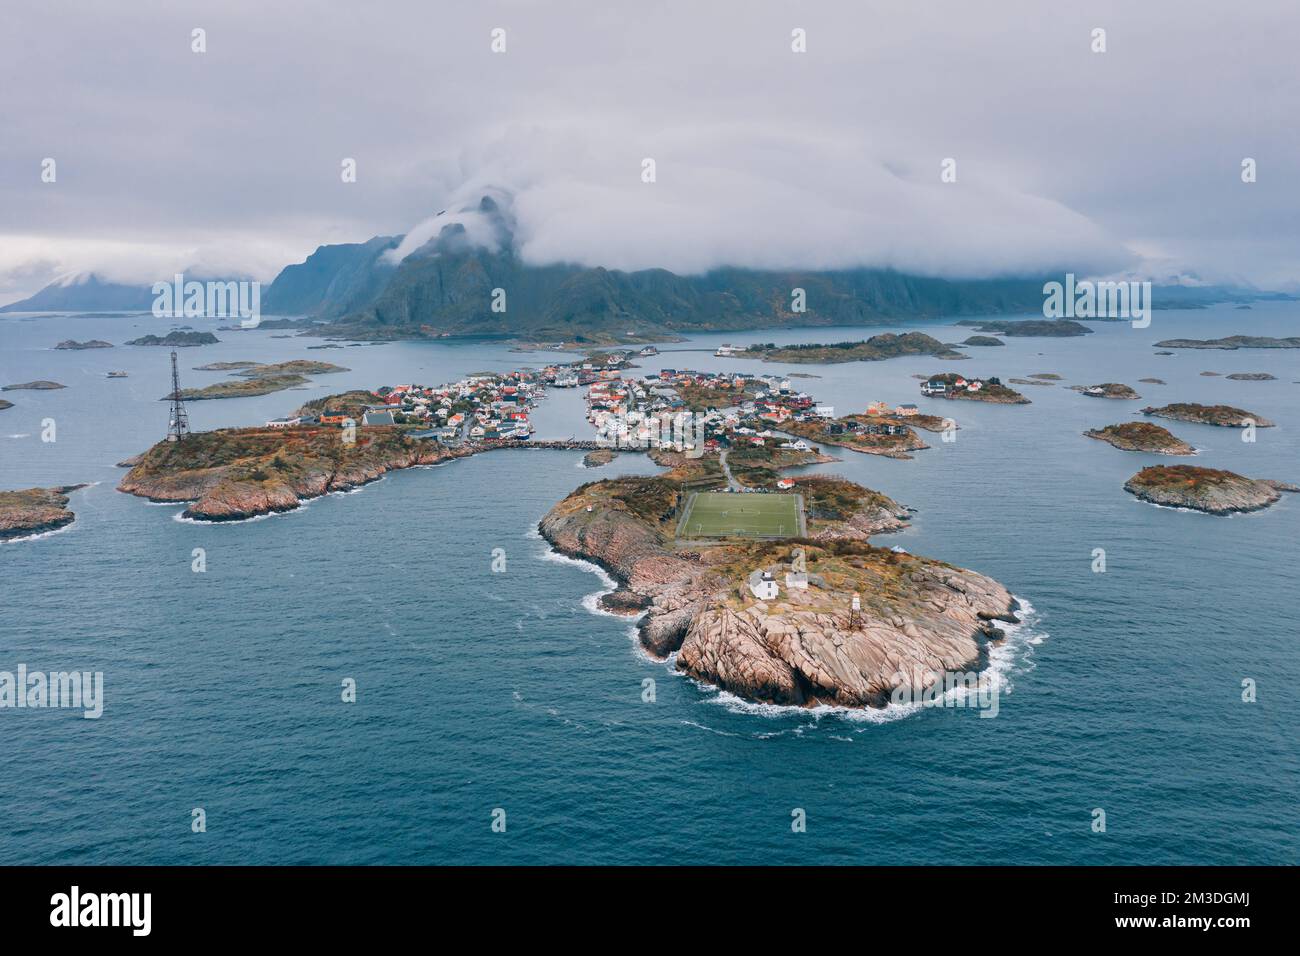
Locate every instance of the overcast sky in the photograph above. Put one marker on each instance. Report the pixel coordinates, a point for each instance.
(229, 161)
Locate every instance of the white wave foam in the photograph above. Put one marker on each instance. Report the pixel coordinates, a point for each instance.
(40, 534)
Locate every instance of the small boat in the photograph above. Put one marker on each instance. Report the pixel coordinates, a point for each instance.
(117, 374)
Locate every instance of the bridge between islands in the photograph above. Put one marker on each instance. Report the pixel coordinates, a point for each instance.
(569, 444)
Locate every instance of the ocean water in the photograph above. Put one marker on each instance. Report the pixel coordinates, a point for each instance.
(479, 691)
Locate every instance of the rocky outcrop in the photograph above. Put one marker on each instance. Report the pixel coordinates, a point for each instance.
(1142, 436)
(1204, 489)
(1222, 415)
(1251, 377)
(78, 346)
(803, 650)
(601, 456)
(35, 511)
(918, 617)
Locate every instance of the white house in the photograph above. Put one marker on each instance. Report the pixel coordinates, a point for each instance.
(763, 586)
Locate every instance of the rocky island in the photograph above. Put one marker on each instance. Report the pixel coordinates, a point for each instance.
(983, 341)
(1107, 390)
(1142, 436)
(37, 386)
(258, 379)
(874, 349)
(1031, 328)
(800, 643)
(869, 434)
(35, 511)
(960, 388)
(5, 404)
(1223, 415)
(237, 473)
(1251, 377)
(1204, 489)
(78, 346)
(1233, 342)
(177, 339)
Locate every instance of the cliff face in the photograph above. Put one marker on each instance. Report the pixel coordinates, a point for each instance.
(34, 511)
(1204, 489)
(918, 617)
(241, 473)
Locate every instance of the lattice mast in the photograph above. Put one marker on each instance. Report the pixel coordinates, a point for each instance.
(180, 421)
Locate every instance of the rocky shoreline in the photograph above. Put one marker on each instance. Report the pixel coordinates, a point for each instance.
(919, 617)
(35, 511)
(1209, 490)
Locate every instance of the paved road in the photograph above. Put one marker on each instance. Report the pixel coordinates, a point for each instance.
(732, 483)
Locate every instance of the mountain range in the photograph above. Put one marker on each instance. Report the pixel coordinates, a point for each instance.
(446, 288)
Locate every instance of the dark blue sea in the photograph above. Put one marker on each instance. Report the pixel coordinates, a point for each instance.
(479, 691)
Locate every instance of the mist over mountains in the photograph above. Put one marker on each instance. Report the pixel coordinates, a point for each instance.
(441, 280)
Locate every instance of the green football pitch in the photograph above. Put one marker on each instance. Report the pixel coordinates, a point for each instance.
(713, 514)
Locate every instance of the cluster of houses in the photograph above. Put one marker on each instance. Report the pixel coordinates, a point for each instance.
(944, 388)
(478, 407)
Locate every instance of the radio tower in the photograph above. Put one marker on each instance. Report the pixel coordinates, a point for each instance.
(180, 423)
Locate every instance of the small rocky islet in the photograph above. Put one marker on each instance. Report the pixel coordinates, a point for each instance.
(1225, 416)
(73, 345)
(34, 511)
(1210, 490)
(1142, 436)
(38, 386)
(177, 339)
(1114, 390)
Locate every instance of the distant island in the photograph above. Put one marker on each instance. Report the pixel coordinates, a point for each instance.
(4, 404)
(35, 511)
(874, 349)
(1225, 416)
(1251, 377)
(1142, 436)
(1107, 390)
(256, 379)
(1031, 328)
(1204, 489)
(983, 341)
(38, 386)
(1233, 342)
(177, 339)
(78, 346)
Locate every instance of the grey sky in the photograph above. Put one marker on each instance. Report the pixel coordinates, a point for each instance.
(230, 160)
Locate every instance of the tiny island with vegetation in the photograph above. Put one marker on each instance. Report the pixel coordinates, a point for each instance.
(1210, 490)
(1142, 436)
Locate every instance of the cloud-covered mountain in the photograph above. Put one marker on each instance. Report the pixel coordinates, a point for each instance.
(86, 292)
